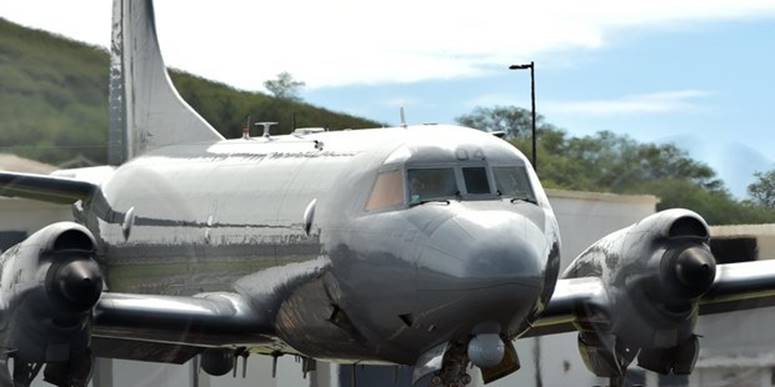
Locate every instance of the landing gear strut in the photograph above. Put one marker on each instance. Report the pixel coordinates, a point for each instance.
(76, 372)
(24, 373)
(453, 369)
(606, 357)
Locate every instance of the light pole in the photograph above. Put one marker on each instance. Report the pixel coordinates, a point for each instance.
(531, 66)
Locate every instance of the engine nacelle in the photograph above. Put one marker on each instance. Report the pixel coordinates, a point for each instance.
(48, 287)
(654, 272)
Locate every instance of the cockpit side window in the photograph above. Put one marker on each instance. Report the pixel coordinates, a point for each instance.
(476, 180)
(431, 184)
(513, 182)
(388, 191)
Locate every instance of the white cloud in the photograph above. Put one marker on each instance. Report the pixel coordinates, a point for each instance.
(661, 102)
(340, 42)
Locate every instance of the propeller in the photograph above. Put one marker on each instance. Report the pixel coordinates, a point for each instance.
(78, 283)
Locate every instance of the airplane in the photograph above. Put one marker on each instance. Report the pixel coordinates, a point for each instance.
(431, 246)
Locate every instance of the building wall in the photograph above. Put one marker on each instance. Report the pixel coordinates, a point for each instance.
(19, 218)
(738, 348)
(764, 234)
(585, 217)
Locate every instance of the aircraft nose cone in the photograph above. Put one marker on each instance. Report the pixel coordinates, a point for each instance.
(482, 266)
(695, 269)
(484, 250)
(503, 257)
(80, 283)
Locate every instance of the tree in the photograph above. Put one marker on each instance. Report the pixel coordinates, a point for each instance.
(610, 162)
(616, 162)
(512, 120)
(604, 161)
(284, 86)
(763, 189)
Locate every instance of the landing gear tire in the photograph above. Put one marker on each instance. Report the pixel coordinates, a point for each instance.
(679, 360)
(24, 373)
(616, 381)
(76, 372)
(606, 356)
(453, 370)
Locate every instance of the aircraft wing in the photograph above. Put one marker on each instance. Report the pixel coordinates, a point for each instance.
(740, 286)
(571, 300)
(44, 187)
(172, 328)
(580, 301)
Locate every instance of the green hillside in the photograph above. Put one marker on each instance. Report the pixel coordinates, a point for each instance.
(54, 99)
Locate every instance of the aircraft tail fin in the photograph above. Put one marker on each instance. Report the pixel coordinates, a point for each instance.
(146, 111)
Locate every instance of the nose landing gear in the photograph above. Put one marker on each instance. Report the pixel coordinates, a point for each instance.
(464, 381)
(453, 368)
(439, 381)
(447, 365)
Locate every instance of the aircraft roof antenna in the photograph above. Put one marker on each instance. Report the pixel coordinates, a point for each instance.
(403, 118)
(267, 126)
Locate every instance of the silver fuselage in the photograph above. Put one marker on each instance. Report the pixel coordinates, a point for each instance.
(283, 222)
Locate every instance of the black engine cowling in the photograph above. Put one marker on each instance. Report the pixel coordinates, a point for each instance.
(49, 285)
(654, 273)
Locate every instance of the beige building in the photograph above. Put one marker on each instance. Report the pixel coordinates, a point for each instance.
(738, 349)
(18, 217)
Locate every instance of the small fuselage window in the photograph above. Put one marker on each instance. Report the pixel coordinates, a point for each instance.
(476, 180)
(431, 184)
(388, 191)
(513, 182)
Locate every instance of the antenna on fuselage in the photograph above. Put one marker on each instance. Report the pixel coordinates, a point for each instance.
(267, 126)
(403, 118)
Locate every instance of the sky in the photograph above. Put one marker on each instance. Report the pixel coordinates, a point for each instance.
(698, 73)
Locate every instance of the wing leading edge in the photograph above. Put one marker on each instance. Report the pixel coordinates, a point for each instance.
(213, 319)
(573, 299)
(44, 187)
(173, 329)
(741, 286)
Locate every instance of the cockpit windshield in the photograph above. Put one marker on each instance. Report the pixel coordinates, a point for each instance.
(476, 180)
(388, 191)
(431, 184)
(454, 182)
(513, 182)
